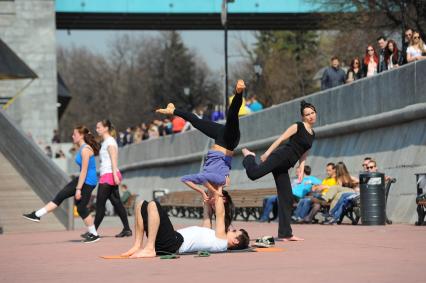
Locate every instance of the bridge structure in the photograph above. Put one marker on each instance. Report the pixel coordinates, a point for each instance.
(190, 15)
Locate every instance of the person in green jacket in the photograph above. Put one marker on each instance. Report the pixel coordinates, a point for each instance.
(126, 194)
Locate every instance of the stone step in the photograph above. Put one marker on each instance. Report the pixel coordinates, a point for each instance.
(16, 198)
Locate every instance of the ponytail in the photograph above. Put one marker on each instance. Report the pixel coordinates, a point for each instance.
(89, 139)
(229, 210)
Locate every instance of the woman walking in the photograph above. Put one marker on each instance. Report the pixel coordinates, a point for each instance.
(82, 187)
(110, 178)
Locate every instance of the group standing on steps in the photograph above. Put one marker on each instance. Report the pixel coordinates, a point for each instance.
(215, 175)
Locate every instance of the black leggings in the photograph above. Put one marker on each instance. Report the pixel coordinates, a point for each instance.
(168, 240)
(69, 191)
(106, 192)
(228, 135)
(277, 163)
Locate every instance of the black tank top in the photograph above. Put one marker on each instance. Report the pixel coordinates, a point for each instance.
(301, 141)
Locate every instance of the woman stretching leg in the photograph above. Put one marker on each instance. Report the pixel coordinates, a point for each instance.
(82, 187)
(278, 159)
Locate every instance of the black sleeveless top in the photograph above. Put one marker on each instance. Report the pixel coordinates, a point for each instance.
(301, 141)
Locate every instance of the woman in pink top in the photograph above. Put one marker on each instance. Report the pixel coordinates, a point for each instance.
(370, 62)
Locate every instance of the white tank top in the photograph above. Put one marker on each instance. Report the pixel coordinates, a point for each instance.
(105, 159)
(197, 238)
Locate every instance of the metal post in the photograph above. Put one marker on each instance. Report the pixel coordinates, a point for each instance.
(224, 19)
(226, 70)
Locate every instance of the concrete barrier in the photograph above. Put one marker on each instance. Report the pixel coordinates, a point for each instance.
(383, 117)
(39, 171)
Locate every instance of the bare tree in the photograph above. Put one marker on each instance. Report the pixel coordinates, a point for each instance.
(136, 76)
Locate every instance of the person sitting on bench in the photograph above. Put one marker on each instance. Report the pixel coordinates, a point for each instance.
(126, 194)
(163, 239)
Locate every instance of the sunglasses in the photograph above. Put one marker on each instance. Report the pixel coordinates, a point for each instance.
(356, 63)
(371, 167)
(370, 50)
(416, 37)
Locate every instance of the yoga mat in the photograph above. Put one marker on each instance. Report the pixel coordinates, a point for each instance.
(258, 250)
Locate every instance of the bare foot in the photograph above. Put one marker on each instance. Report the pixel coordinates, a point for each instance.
(131, 251)
(167, 111)
(240, 86)
(144, 253)
(247, 152)
(293, 239)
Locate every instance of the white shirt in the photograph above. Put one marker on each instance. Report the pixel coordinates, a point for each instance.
(105, 158)
(414, 52)
(201, 239)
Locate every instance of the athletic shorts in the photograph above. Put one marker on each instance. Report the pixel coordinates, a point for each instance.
(168, 240)
(216, 168)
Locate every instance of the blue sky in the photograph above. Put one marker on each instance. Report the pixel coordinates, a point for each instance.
(208, 44)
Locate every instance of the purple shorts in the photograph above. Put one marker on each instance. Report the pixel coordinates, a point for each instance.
(215, 169)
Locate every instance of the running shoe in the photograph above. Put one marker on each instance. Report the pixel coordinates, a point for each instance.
(31, 216)
(91, 238)
(84, 236)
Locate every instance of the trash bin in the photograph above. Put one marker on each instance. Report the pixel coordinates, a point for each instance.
(373, 201)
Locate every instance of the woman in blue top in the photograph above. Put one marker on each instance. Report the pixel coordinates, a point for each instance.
(82, 187)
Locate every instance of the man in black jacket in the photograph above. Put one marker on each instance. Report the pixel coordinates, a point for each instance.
(382, 66)
(405, 44)
(333, 75)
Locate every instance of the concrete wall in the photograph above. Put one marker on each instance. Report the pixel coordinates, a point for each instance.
(39, 171)
(383, 117)
(28, 28)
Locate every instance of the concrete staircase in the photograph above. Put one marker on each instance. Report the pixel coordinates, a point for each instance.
(40, 173)
(17, 197)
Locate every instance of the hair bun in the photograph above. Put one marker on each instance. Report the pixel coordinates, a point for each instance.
(304, 104)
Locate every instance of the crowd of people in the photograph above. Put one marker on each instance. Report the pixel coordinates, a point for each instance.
(175, 124)
(311, 194)
(385, 56)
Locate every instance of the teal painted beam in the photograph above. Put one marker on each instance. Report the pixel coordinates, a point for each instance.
(185, 6)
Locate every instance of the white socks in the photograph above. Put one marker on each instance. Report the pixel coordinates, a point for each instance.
(92, 230)
(41, 212)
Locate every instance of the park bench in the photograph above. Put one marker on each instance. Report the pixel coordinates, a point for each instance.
(247, 203)
(183, 204)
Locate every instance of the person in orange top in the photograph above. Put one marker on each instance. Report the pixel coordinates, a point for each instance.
(178, 124)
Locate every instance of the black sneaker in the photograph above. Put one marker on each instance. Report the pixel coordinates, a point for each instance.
(84, 236)
(91, 238)
(124, 233)
(31, 216)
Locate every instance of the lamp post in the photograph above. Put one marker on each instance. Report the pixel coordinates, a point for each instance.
(224, 18)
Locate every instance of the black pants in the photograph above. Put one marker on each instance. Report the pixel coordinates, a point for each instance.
(69, 191)
(228, 135)
(278, 163)
(168, 240)
(106, 192)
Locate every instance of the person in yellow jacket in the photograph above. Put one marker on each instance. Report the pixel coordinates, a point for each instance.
(328, 182)
(244, 110)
